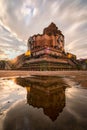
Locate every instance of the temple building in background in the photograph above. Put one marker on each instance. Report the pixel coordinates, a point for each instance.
(46, 52)
(83, 63)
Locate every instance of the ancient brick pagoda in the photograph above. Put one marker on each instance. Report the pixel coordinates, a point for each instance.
(46, 52)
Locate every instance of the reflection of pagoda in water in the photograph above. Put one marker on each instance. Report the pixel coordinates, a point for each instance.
(52, 103)
(46, 52)
(45, 92)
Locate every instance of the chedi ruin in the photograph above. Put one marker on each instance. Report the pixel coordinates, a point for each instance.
(46, 52)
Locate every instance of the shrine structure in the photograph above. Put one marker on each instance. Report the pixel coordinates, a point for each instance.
(46, 52)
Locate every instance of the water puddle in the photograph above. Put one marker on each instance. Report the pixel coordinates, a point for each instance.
(42, 103)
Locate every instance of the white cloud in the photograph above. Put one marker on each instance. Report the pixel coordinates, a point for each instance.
(23, 18)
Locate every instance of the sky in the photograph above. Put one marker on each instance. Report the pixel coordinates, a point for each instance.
(20, 19)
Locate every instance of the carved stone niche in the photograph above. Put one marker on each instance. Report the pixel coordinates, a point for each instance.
(30, 43)
(60, 42)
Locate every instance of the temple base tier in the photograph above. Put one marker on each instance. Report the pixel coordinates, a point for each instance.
(49, 61)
